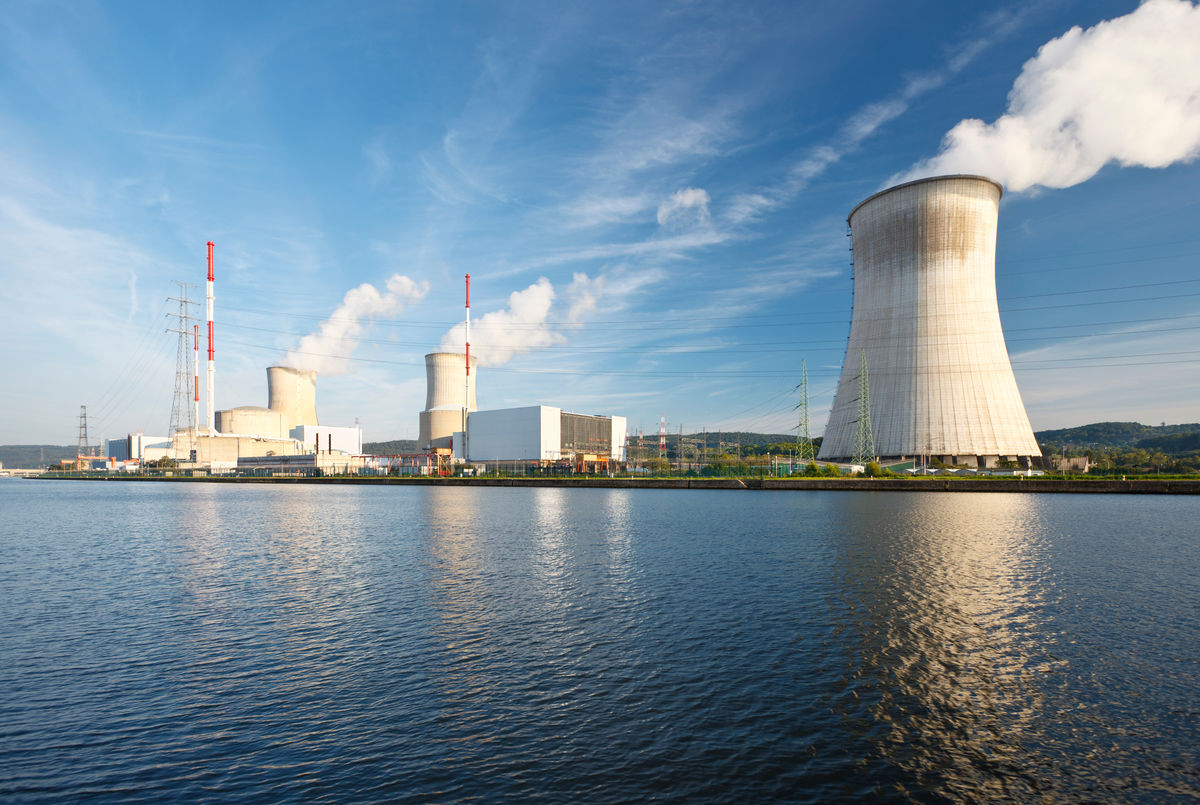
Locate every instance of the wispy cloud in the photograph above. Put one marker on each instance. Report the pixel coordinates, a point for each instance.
(692, 199)
(379, 161)
(868, 119)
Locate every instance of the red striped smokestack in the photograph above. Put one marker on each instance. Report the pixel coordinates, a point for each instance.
(212, 425)
(467, 339)
(467, 381)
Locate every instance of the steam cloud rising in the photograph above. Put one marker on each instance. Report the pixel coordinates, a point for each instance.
(326, 349)
(524, 325)
(1126, 90)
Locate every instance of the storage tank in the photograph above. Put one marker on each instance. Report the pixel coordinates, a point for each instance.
(293, 393)
(445, 390)
(925, 313)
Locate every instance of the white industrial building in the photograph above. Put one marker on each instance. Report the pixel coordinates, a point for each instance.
(540, 435)
(138, 447)
(544, 434)
(926, 318)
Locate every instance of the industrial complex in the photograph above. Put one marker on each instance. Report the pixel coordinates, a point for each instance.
(926, 374)
(286, 436)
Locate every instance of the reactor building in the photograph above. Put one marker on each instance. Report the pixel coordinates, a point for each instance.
(535, 435)
(926, 324)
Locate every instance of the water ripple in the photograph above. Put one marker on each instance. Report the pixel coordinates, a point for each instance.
(260, 644)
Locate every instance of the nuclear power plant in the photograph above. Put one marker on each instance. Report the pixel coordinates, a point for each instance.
(286, 435)
(926, 326)
(926, 372)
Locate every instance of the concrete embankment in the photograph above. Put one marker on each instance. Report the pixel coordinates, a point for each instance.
(1108, 486)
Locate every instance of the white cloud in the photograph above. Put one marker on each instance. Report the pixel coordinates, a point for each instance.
(599, 210)
(691, 199)
(1126, 90)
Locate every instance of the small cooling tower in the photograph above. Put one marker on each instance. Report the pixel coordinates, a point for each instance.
(926, 317)
(445, 389)
(293, 393)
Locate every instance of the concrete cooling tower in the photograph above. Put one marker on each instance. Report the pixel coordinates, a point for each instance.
(445, 390)
(939, 379)
(293, 393)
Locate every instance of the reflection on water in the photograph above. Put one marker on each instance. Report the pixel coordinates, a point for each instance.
(944, 640)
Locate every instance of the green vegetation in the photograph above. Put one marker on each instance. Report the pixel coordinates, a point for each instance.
(35, 455)
(395, 447)
(1128, 448)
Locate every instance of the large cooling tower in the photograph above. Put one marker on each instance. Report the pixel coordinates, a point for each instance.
(939, 380)
(293, 393)
(445, 390)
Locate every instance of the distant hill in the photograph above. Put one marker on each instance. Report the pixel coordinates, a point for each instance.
(1173, 445)
(390, 448)
(32, 456)
(1112, 434)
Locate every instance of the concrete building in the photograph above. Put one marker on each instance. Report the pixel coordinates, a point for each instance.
(138, 447)
(544, 434)
(446, 394)
(926, 317)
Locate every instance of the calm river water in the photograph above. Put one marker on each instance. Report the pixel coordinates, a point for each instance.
(349, 643)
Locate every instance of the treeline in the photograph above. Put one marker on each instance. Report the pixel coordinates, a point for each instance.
(33, 456)
(1120, 434)
(1128, 447)
(394, 447)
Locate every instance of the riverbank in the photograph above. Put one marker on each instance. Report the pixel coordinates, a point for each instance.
(934, 484)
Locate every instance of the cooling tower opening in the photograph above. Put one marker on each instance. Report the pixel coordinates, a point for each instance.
(925, 315)
(293, 393)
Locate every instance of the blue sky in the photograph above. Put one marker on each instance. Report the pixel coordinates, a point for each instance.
(663, 186)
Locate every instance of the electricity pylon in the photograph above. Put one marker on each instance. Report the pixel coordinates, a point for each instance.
(864, 437)
(804, 445)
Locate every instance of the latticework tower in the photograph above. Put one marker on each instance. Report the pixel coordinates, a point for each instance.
(804, 445)
(864, 438)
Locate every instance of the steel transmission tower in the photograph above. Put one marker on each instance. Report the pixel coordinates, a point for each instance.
(804, 445)
(181, 401)
(84, 448)
(864, 438)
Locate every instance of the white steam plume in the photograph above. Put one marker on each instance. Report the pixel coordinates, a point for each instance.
(524, 326)
(1126, 90)
(326, 349)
